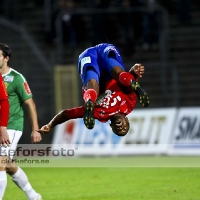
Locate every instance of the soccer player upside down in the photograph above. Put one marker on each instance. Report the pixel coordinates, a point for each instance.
(109, 92)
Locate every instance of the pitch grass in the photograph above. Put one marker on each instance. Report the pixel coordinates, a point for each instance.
(115, 183)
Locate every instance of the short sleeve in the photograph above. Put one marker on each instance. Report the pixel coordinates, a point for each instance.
(22, 88)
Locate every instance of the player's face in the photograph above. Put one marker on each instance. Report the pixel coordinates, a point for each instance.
(2, 60)
(119, 124)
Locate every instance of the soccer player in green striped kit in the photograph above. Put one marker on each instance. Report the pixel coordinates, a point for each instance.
(19, 93)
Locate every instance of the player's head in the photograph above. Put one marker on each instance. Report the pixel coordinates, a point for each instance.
(6, 51)
(119, 124)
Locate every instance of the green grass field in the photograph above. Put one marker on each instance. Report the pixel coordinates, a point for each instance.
(119, 178)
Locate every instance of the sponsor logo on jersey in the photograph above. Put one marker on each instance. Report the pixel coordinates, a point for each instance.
(84, 61)
(9, 78)
(26, 86)
(108, 99)
(100, 99)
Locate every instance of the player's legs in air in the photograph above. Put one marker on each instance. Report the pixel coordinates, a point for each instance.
(89, 72)
(90, 66)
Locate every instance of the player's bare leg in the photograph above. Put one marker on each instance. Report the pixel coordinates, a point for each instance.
(21, 180)
(3, 177)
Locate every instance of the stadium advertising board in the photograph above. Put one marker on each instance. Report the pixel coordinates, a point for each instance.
(150, 133)
(186, 135)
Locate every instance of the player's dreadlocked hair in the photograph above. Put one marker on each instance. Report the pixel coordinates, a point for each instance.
(6, 50)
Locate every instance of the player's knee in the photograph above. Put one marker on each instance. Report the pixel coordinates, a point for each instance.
(11, 168)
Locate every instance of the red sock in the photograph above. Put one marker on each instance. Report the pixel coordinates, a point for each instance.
(90, 94)
(125, 78)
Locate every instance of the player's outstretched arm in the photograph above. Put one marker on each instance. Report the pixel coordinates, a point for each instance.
(45, 129)
(62, 117)
(58, 119)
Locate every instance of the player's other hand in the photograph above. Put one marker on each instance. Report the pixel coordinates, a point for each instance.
(35, 136)
(4, 138)
(137, 69)
(45, 129)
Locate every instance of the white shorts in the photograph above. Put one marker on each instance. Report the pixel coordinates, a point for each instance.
(14, 137)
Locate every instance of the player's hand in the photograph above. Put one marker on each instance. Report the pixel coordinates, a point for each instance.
(137, 69)
(4, 138)
(45, 129)
(35, 136)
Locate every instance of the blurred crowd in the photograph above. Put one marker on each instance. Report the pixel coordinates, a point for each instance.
(137, 23)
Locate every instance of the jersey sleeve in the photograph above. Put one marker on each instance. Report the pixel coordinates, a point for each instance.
(3, 92)
(75, 113)
(22, 88)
